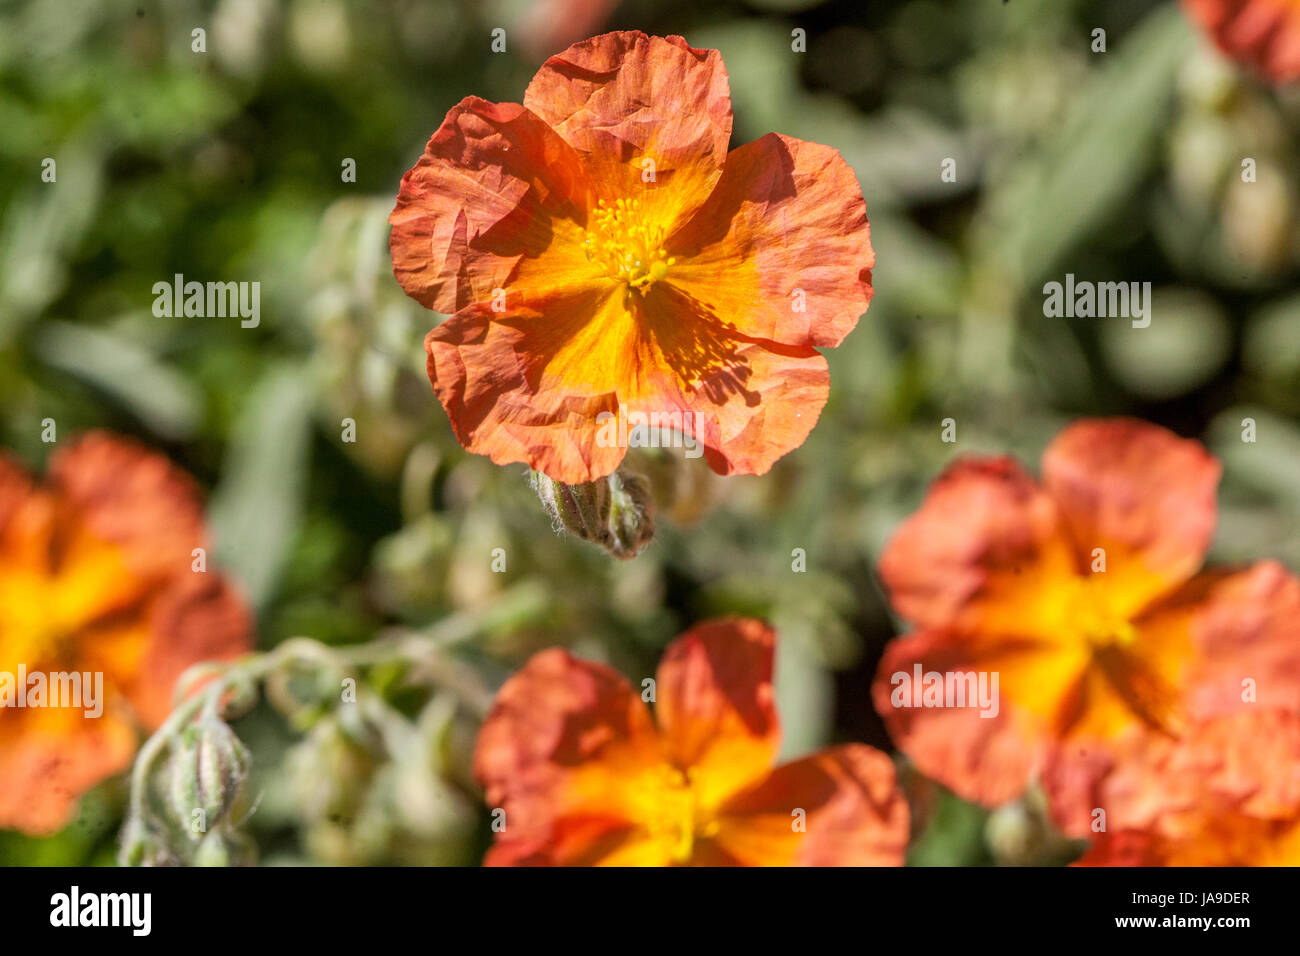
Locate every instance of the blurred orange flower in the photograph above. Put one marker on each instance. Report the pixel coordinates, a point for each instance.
(547, 25)
(585, 775)
(1079, 602)
(604, 253)
(96, 580)
(1233, 800)
(1262, 33)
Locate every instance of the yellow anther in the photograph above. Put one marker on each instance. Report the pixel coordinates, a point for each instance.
(620, 241)
(1099, 624)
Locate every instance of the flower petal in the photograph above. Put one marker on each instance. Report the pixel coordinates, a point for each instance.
(1141, 493)
(852, 809)
(134, 498)
(716, 709)
(529, 385)
(532, 384)
(1247, 630)
(622, 98)
(15, 487)
(497, 199)
(1262, 33)
(752, 401)
(199, 617)
(50, 756)
(984, 759)
(1225, 768)
(567, 753)
(782, 249)
(985, 550)
(1225, 643)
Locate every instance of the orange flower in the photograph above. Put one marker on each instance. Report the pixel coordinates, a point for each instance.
(96, 580)
(604, 253)
(585, 775)
(1262, 33)
(1081, 597)
(1234, 796)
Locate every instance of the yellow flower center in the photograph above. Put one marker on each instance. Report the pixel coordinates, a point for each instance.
(46, 605)
(1094, 618)
(621, 241)
(676, 817)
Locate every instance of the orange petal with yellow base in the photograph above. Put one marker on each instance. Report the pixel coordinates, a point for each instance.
(766, 254)
(1139, 493)
(1074, 593)
(622, 99)
(847, 798)
(716, 706)
(1243, 632)
(1234, 801)
(494, 200)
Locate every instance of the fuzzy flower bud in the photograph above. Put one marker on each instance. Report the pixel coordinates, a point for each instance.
(224, 848)
(615, 512)
(208, 769)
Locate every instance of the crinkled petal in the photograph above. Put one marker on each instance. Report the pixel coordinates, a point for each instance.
(1247, 631)
(530, 385)
(1206, 787)
(496, 201)
(134, 498)
(49, 757)
(570, 754)
(535, 383)
(751, 401)
(1140, 493)
(839, 807)
(985, 551)
(782, 249)
(623, 98)
(715, 706)
(985, 759)
(1135, 780)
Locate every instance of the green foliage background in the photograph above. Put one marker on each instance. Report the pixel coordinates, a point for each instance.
(1123, 165)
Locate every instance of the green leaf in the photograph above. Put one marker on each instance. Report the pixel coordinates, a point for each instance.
(257, 508)
(1057, 196)
(164, 400)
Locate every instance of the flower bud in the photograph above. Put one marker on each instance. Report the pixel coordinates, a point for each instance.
(631, 515)
(141, 846)
(223, 847)
(208, 769)
(615, 512)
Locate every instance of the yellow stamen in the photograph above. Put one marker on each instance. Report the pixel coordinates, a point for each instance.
(628, 248)
(1099, 624)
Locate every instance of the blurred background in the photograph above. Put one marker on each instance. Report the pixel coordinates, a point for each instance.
(229, 165)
